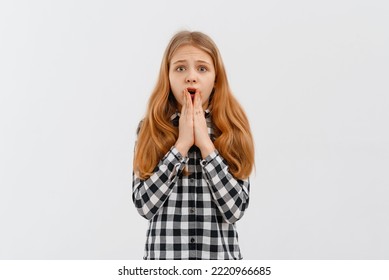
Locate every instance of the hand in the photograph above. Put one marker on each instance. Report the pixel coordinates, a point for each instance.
(185, 127)
(201, 137)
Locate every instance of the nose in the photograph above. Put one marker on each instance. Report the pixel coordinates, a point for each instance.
(190, 80)
(191, 77)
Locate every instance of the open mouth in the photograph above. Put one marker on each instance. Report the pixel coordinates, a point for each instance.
(192, 92)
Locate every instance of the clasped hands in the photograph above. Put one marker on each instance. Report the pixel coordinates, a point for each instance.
(193, 126)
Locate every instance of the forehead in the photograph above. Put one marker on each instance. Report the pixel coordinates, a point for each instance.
(189, 52)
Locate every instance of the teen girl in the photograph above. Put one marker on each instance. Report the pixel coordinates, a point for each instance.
(193, 156)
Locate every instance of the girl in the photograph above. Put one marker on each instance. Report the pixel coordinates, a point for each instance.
(193, 156)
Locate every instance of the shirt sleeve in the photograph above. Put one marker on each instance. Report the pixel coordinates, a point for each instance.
(149, 195)
(230, 195)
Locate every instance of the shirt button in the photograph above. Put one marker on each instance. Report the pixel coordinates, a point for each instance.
(192, 240)
(191, 210)
(191, 180)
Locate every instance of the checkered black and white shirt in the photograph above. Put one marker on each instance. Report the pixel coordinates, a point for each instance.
(193, 216)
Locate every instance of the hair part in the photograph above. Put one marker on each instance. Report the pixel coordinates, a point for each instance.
(156, 134)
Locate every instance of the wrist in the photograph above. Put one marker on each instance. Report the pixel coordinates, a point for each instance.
(182, 148)
(207, 149)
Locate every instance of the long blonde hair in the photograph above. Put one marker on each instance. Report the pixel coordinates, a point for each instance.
(157, 134)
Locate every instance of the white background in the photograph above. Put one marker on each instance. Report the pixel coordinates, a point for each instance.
(75, 77)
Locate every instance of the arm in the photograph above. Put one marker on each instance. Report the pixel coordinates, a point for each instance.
(149, 195)
(230, 195)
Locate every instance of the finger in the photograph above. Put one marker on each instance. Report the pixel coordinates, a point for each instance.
(200, 101)
(198, 104)
(189, 104)
(196, 101)
(183, 101)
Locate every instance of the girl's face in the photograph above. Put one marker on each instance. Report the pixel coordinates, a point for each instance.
(191, 69)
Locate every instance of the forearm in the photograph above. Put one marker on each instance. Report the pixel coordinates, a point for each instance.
(230, 195)
(150, 194)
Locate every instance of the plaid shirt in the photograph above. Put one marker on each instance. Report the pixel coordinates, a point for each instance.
(193, 216)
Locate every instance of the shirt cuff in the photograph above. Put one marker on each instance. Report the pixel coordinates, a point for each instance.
(209, 158)
(178, 155)
(173, 163)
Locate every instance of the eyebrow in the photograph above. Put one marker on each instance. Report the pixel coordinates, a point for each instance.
(183, 61)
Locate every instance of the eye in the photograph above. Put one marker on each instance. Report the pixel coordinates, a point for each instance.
(203, 69)
(180, 69)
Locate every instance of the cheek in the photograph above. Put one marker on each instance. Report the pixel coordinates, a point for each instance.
(173, 83)
(210, 87)
(177, 95)
(175, 92)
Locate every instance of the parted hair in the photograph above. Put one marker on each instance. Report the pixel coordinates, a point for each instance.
(157, 134)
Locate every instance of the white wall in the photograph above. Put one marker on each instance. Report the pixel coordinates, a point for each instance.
(75, 77)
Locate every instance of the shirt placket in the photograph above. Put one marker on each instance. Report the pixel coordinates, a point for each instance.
(192, 212)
